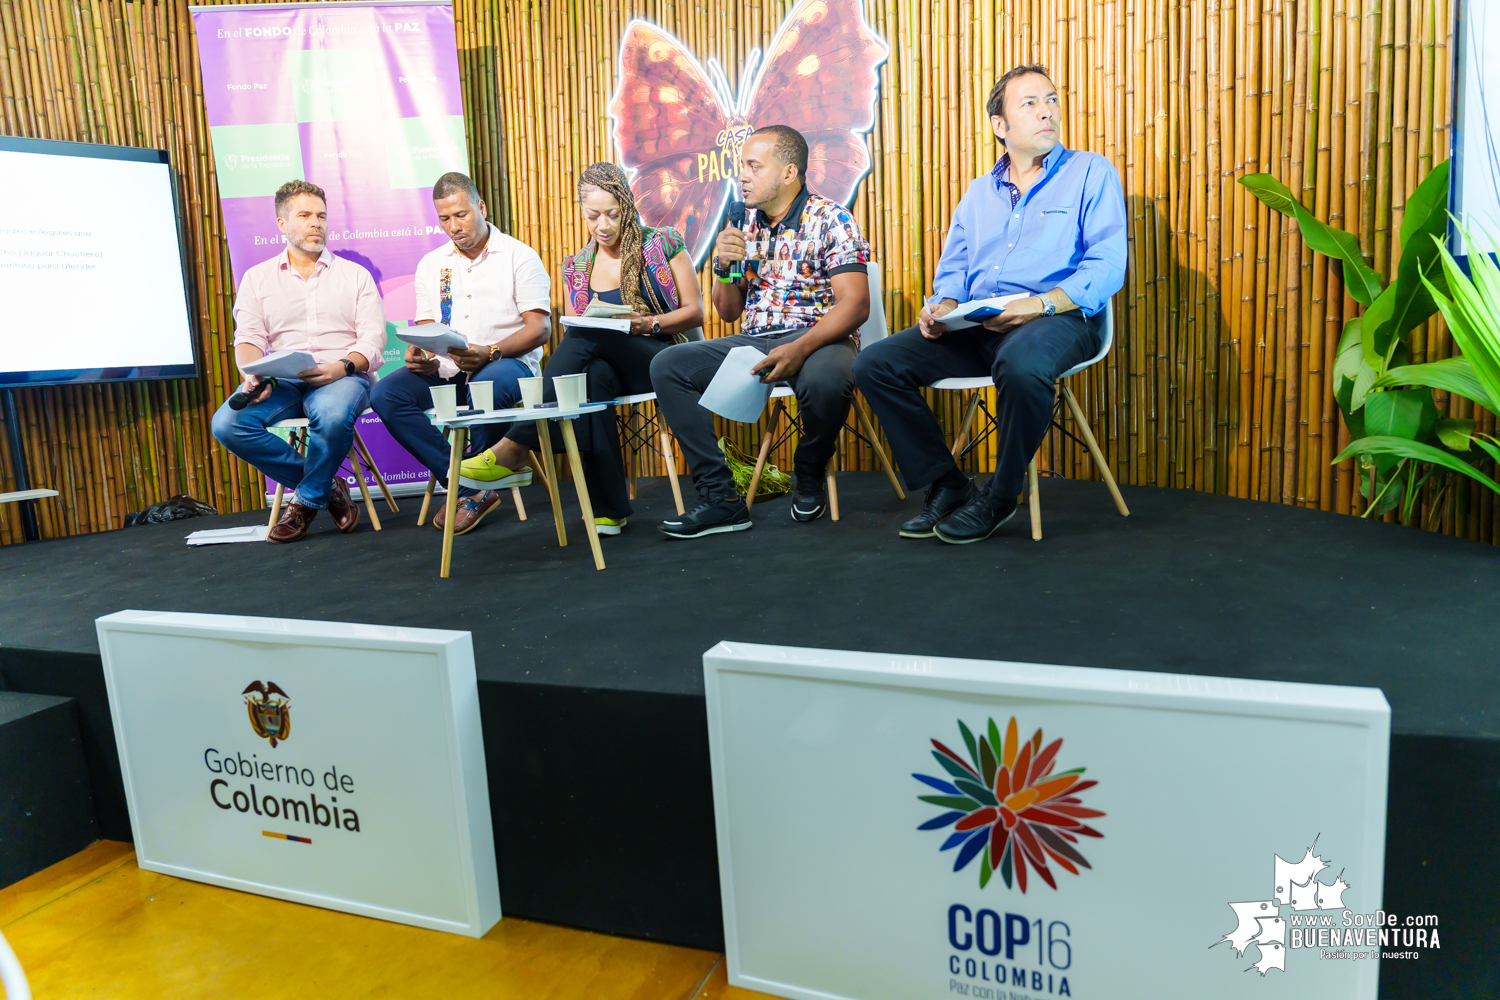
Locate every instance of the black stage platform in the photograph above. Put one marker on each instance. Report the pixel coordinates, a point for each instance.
(592, 691)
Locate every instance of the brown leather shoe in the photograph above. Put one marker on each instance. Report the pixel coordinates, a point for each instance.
(471, 511)
(293, 524)
(342, 506)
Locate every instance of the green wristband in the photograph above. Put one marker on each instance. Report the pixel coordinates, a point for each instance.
(727, 281)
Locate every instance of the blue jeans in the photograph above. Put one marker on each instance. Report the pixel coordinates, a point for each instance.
(330, 410)
(402, 398)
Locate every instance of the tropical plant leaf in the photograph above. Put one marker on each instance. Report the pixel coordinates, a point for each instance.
(1473, 312)
(1487, 442)
(1453, 375)
(1455, 432)
(1416, 450)
(1362, 281)
(1404, 413)
(1407, 301)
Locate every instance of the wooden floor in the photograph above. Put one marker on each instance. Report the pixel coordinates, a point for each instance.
(96, 925)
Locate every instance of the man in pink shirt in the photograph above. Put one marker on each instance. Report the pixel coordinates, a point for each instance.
(305, 299)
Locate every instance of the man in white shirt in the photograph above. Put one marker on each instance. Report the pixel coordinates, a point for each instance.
(305, 299)
(493, 289)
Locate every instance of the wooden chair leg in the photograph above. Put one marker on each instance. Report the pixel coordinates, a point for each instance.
(515, 494)
(868, 428)
(575, 461)
(670, 457)
(965, 424)
(1035, 498)
(1088, 439)
(539, 470)
(455, 459)
(833, 484)
(426, 500)
(554, 487)
(364, 451)
(364, 491)
(765, 450)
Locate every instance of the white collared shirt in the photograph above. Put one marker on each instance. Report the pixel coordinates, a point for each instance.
(487, 296)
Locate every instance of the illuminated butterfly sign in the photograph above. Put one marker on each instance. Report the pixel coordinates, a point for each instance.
(680, 130)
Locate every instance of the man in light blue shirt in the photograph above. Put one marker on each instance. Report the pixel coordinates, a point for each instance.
(1048, 224)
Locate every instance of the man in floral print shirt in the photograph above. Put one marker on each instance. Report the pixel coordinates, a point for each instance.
(801, 301)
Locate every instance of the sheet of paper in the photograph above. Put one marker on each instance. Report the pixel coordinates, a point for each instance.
(223, 536)
(279, 364)
(975, 312)
(734, 393)
(598, 323)
(435, 338)
(600, 308)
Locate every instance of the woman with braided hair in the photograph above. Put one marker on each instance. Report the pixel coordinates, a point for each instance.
(623, 263)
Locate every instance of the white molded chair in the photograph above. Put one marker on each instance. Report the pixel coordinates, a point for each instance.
(871, 331)
(357, 452)
(977, 384)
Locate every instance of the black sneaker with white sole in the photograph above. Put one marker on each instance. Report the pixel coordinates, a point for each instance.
(708, 519)
(810, 500)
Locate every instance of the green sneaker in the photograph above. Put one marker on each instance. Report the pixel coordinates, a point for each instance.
(608, 525)
(482, 472)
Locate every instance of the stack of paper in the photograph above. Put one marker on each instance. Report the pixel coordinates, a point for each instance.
(223, 536)
(735, 393)
(279, 364)
(976, 312)
(598, 307)
(435, 338)
(598, 323)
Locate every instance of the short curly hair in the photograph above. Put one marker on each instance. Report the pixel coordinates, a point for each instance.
(292, 189)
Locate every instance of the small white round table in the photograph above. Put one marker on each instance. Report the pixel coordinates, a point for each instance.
(459, 436)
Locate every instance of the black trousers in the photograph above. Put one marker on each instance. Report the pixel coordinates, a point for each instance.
(824, 387)
(616, 365)
(1024, 363)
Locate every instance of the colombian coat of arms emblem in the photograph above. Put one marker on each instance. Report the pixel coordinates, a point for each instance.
(270, 711)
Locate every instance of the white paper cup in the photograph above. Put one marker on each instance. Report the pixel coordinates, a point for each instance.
(482, 395)
(572, 390)
(445, 401)
(531, 391)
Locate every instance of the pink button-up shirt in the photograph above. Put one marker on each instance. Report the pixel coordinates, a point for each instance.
(335, 312)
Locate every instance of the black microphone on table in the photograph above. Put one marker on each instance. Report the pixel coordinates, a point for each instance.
(242, 399)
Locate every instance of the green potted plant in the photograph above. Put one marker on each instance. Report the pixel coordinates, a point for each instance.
(1396, 431)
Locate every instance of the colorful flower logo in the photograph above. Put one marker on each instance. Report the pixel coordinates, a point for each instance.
(1011, 807)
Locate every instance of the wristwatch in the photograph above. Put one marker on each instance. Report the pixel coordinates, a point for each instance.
(1049, 308)
(349, 368)
(656, 328)
(494, 351)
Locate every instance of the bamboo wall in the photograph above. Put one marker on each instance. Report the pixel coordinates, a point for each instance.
(1221, 375)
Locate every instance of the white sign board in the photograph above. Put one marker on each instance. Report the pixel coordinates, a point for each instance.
(327, 763)
(915, 827)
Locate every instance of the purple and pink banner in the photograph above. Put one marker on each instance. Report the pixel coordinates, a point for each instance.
(362, 100)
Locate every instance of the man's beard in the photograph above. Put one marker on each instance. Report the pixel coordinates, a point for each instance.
(311, 251)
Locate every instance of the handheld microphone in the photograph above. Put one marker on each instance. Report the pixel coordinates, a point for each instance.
(737, 220)
(242, 399)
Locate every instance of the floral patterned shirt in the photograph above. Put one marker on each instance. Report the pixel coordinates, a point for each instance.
(789, 278)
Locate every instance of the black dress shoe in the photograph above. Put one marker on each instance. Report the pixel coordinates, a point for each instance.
(941, 501)
(976, 520)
